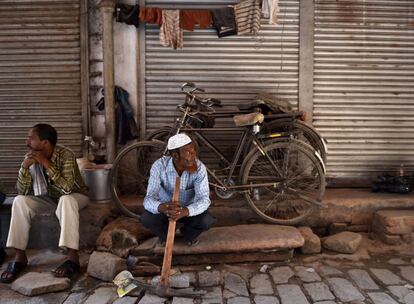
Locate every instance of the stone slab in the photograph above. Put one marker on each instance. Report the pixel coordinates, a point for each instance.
(319, 291)
(102, 295)
(381, 298)
(261, 284)
(235, 284)
(281, 274)
(240, 238)
(363, 279)
(344, 290)
(259, 299)
(291, 294)
(36, 283)
(386, 276)
(407, 272)
(307, 274)
(209, 278)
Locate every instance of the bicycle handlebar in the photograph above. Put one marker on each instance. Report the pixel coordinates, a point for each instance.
(189, 89)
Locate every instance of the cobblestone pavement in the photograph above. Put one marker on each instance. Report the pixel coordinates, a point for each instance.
(366, 277)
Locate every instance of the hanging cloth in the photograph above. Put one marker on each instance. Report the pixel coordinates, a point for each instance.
(150, 15)
(128, 14)
(39, 180)
(190, 18)
(248, 17)
(170, 32)
(270, 10)
(224, 21)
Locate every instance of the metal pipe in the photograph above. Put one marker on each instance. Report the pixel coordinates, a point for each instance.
(107, 10)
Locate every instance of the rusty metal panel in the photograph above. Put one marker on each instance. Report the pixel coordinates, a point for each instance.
(39, 76)
(364, 85)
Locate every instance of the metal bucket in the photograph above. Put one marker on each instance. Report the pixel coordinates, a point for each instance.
(97, 180)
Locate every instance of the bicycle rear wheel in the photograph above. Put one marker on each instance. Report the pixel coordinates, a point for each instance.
(302, 131)
(130, 173)
(298, 179)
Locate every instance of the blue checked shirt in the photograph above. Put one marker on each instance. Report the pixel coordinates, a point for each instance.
(194, 189)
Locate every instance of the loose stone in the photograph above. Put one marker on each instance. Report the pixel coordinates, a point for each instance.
(36, 283)
(151, 299)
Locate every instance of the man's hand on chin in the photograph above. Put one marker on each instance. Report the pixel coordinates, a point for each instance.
(40, 158)
(28, 160)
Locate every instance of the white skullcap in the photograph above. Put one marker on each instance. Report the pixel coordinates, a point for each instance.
(178, 141)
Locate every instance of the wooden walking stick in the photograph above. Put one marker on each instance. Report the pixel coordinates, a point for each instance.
(169, 243)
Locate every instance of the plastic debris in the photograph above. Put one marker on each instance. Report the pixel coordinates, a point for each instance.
(264, 268)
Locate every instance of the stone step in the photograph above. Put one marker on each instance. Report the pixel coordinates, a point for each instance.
(45, 229)
(239, 243)
(394, 226)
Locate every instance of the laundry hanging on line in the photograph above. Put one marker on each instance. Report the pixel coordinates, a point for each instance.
(239, 19)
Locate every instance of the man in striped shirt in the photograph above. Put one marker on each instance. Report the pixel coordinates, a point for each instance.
(194, 192)
(49, 180)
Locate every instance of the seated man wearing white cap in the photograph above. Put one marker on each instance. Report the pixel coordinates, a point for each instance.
(194, 192)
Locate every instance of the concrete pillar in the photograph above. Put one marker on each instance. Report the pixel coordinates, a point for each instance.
(107, 10)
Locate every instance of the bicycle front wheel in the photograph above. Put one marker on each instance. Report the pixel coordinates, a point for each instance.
(285, 182)
(130, 173)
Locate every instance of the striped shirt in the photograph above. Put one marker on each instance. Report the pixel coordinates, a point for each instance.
(194, 188)
(63, 175)
(247, 14)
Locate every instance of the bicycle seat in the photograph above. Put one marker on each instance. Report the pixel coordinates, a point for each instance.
(250, 105)
(248, 119)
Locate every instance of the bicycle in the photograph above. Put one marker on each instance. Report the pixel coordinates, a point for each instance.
(282, 178)
(283, 122)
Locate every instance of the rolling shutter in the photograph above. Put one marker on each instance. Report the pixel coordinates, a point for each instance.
(233, 69)
(39, 76)
(364, 86)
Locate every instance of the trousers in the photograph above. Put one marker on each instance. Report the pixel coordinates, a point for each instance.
(192, 227)
(25, 207)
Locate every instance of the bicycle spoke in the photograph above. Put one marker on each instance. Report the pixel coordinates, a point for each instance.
(271, 202)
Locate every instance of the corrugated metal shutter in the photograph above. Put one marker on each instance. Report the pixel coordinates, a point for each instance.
(39, 76)
(364, 85)
(232, 69)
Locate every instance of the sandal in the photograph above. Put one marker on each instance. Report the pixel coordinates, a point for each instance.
(68, 268)
(12, 272)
